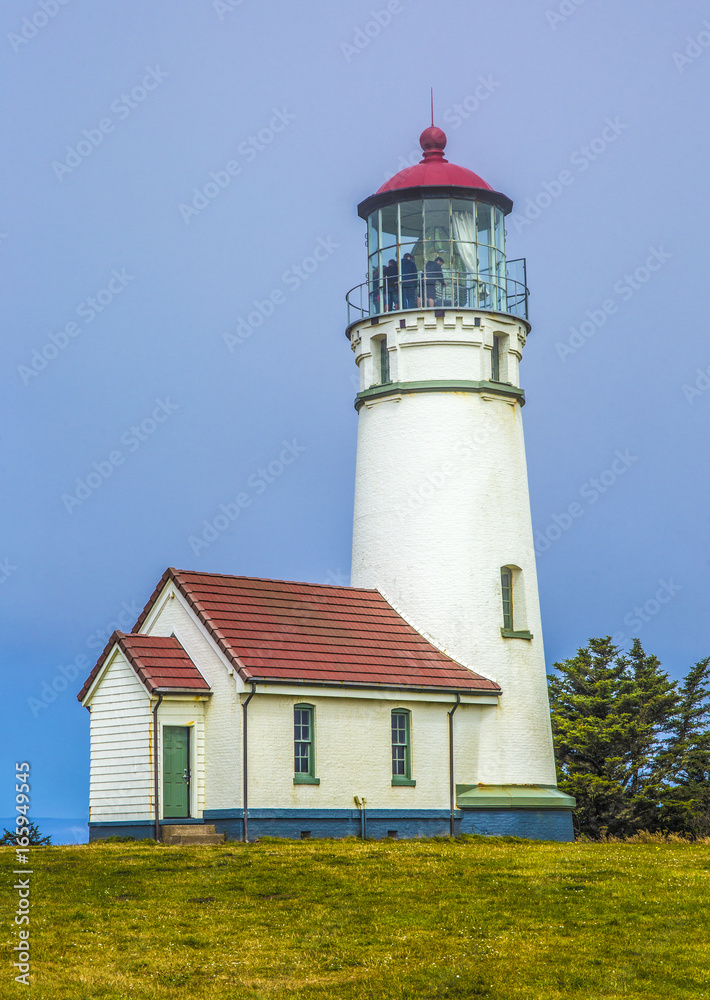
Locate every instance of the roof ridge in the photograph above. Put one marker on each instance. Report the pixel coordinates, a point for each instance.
(266, 579)
(148, 637)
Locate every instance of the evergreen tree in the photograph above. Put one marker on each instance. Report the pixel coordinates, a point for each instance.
(684, 770)
(655, 704)
(610, 716)
(31, 832)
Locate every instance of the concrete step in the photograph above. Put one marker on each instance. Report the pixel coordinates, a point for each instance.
(191, 833)
(211, 841)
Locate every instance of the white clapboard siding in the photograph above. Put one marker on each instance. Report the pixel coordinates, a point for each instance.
(121, 746)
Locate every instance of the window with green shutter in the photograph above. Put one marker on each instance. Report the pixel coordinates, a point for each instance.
(402, 748)
(304, 754)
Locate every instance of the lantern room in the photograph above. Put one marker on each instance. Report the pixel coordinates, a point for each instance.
(436, 239)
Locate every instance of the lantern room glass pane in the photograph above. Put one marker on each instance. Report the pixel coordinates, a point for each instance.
(411, 221)
(483, 224)
(411, 229)
(389, 231)
(499, 221)
(437, 229)
(484, 260)
(495, 288)
(373, 242)
(374, 271)
(463, 230)
(374, 279)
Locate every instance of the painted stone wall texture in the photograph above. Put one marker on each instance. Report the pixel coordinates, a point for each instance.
(441, 504)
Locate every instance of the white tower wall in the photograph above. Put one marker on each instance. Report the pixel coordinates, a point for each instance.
(441, 504)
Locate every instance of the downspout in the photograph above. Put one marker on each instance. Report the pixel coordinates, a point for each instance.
(156, 783)
(360, 803)
(245, 704)
(451, 762)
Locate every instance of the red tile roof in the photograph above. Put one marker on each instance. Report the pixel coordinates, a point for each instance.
(275, 630)
(160, 662)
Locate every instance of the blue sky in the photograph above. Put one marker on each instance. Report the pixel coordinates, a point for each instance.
(590, 116)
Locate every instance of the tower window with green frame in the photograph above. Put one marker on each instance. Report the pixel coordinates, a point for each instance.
(402, 747)
(495, 360)
(508, 629)
(506, 589)
(304, 754)
(384, 362)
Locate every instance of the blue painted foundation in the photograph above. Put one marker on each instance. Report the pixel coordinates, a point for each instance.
(334, 823)
(533, 824)
(137, 829)
(140, 829)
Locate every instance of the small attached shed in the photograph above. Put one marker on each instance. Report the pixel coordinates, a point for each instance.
(135, 676)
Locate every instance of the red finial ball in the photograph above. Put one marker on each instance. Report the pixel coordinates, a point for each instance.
(432, 138)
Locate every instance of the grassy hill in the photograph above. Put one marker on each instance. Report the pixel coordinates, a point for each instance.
(343, 920)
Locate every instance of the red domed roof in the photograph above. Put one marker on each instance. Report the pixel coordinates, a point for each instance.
(434, 170)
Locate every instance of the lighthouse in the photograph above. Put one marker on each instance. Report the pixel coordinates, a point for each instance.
(412, 703)
(442, 524)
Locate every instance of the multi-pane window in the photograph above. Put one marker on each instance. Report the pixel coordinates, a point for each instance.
(401, 748)
(506, 587)
(304, 758)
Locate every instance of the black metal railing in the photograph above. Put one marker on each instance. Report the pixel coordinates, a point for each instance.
(454, 290)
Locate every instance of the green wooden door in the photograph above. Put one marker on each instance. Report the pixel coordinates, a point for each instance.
(176, 772)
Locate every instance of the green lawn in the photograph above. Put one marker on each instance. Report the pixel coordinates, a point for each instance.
(339, 920)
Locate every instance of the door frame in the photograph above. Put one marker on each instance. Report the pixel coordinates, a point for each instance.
(171, 725)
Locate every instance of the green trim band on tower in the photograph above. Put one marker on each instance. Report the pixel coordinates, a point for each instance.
(453, 385)
(512, 797)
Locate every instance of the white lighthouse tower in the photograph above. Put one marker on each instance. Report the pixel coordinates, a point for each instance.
(442, 522)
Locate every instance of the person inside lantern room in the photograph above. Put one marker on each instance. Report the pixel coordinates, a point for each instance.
(433, 276)
(408, 281)
(391, 276)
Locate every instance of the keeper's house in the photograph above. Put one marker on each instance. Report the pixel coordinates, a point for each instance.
(320, 708)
